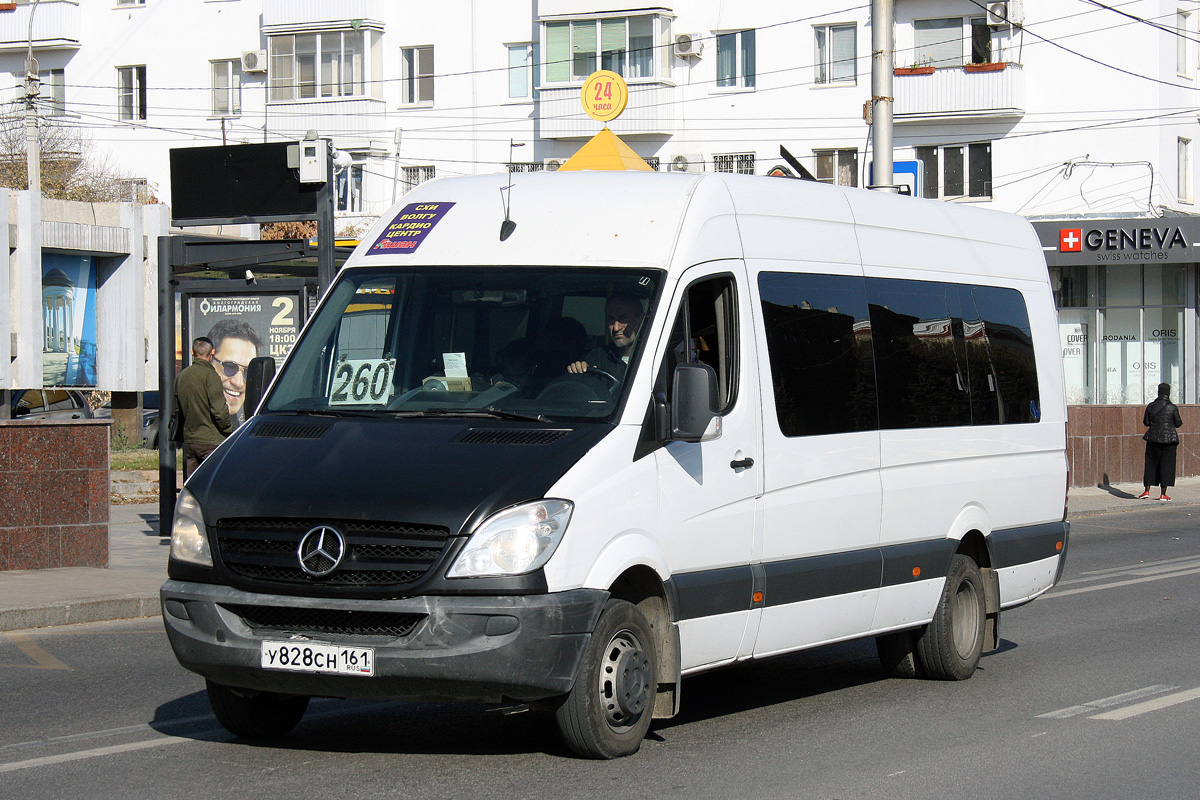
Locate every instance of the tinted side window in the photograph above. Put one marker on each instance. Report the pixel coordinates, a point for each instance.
(819, 344)
(1004, 386)
(920, 360)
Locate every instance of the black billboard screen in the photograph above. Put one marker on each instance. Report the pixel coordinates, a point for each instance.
(241, 183)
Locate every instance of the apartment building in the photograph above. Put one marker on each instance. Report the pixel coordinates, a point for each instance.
(1081, 116)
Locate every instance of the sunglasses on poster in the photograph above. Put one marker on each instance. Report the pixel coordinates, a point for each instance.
(231, 368)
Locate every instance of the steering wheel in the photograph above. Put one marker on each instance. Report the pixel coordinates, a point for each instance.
(604, 374)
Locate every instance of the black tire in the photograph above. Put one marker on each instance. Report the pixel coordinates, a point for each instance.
(949, 647)
(255, 715)
(898, 654)
(608, 710)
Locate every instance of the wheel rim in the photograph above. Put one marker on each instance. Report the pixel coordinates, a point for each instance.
(624, 681)
(966, 616)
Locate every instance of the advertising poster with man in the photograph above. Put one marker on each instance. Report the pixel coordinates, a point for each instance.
(243, 327)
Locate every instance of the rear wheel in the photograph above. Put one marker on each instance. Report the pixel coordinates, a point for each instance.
(255, 715)
(608, 711)
(950, 645)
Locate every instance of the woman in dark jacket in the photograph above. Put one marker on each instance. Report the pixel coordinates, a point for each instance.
(1162, 418)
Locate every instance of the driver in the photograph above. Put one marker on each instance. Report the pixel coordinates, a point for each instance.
(623, 318)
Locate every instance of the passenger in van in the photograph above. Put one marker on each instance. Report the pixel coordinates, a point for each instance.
(1162, 418)
(623, 320)
(516, 363)
(563, 341)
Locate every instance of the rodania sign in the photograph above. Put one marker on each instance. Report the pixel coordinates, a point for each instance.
(1067, 242)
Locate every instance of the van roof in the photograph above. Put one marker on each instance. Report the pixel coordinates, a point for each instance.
(647, 219)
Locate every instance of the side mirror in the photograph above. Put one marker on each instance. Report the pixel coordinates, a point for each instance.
(694, 404)
(259, 373)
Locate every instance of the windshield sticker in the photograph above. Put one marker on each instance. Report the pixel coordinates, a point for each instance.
(409, 228)
(362, 381)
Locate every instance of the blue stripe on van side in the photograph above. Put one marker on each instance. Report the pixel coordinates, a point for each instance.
(712, 592)
(722, 591)
(809, 578)
(1027, 544)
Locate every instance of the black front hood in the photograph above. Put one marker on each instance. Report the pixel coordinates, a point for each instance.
(447, 472)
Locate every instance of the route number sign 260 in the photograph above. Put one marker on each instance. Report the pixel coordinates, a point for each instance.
(362, 382)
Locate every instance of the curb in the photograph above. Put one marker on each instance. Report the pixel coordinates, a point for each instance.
(79, 612)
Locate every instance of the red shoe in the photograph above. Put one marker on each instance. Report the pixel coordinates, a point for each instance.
(1164, 498)
(1144, 495)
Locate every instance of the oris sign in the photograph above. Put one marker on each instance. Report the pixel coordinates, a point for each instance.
(1121, 241)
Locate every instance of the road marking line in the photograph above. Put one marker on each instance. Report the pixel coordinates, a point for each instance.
(111, 750)
(1182, 563)
(41, 659)
(1105, 702)
(1150, 705)
(1117, 584)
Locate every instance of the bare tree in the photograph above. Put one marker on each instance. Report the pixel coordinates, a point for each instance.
(71, 170)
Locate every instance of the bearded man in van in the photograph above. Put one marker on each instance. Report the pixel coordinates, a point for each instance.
(623, 320)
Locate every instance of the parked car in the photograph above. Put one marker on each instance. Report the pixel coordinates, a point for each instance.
(149, 434)
(49, 404)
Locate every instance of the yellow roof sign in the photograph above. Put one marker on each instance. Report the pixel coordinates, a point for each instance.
(605, 151)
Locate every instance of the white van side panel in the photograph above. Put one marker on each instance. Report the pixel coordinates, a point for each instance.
(823, 620)
(1027, 581)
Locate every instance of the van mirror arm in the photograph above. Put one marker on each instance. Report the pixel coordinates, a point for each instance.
(259, 373)
(694, 404)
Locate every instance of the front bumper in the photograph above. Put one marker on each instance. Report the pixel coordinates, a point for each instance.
(462, 648)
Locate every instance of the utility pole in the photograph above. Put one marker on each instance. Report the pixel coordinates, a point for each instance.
(33, 157)
(882, 58)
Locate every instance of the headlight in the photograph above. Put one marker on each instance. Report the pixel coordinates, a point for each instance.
(515, 541)
(189, 542)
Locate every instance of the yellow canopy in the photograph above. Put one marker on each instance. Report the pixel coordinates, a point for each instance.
(605, 151)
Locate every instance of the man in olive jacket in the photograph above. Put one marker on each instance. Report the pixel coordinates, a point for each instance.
(201, 404)
(1162, 440)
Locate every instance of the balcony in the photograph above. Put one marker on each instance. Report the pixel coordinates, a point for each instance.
(651, 110)
(341, 119)
(297, 15)
(55, 26)
(977, 91)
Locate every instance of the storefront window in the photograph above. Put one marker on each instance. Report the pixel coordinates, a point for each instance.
(1166, 284)
(1120, 356)
(1162, 356)
(1074, 329)
(1071, 289)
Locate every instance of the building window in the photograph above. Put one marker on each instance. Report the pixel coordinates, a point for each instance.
(131, 93)
(576, 49)
(1184, 36)
(522, 70)
(416, 74)
(735, 60)
(740, 163)
(136, 190)
(837, 166)
(1184, 147)
(131, 2)
(837, 53)
(415, 176)
(325, 64)
(1121, 330)
(348, 188)
(939, 42)
(52, 90)
(226, 88)
(953, 171)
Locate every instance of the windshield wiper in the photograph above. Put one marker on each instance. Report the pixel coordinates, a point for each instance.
(490, 412)
(331, 412)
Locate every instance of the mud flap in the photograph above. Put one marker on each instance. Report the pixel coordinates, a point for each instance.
(666, 699)
(991, 595)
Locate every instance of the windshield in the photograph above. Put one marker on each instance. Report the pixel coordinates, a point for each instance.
(471, 341)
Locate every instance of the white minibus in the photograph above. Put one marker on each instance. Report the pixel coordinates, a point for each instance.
(567, 438)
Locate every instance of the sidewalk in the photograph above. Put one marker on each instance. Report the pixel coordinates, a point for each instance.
(128, 587)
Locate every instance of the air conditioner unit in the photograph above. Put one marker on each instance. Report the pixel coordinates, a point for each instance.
(1008, 12)
(693, 162)
(254, 61)
(688, 45)
(553, 164)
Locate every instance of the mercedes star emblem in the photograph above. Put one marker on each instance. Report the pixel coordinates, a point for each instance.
(321, 551)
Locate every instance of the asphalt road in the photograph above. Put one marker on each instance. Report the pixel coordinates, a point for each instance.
(1094, 693)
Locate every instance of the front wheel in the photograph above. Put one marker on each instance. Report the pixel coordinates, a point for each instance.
(950, 646)
(255, 715)
(608, 711)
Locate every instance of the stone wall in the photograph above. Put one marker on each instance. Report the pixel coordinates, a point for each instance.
(54, 494)
(1105, 445)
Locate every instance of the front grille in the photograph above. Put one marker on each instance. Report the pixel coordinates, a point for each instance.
(291, 430)
(378, 554)
(287, 619)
